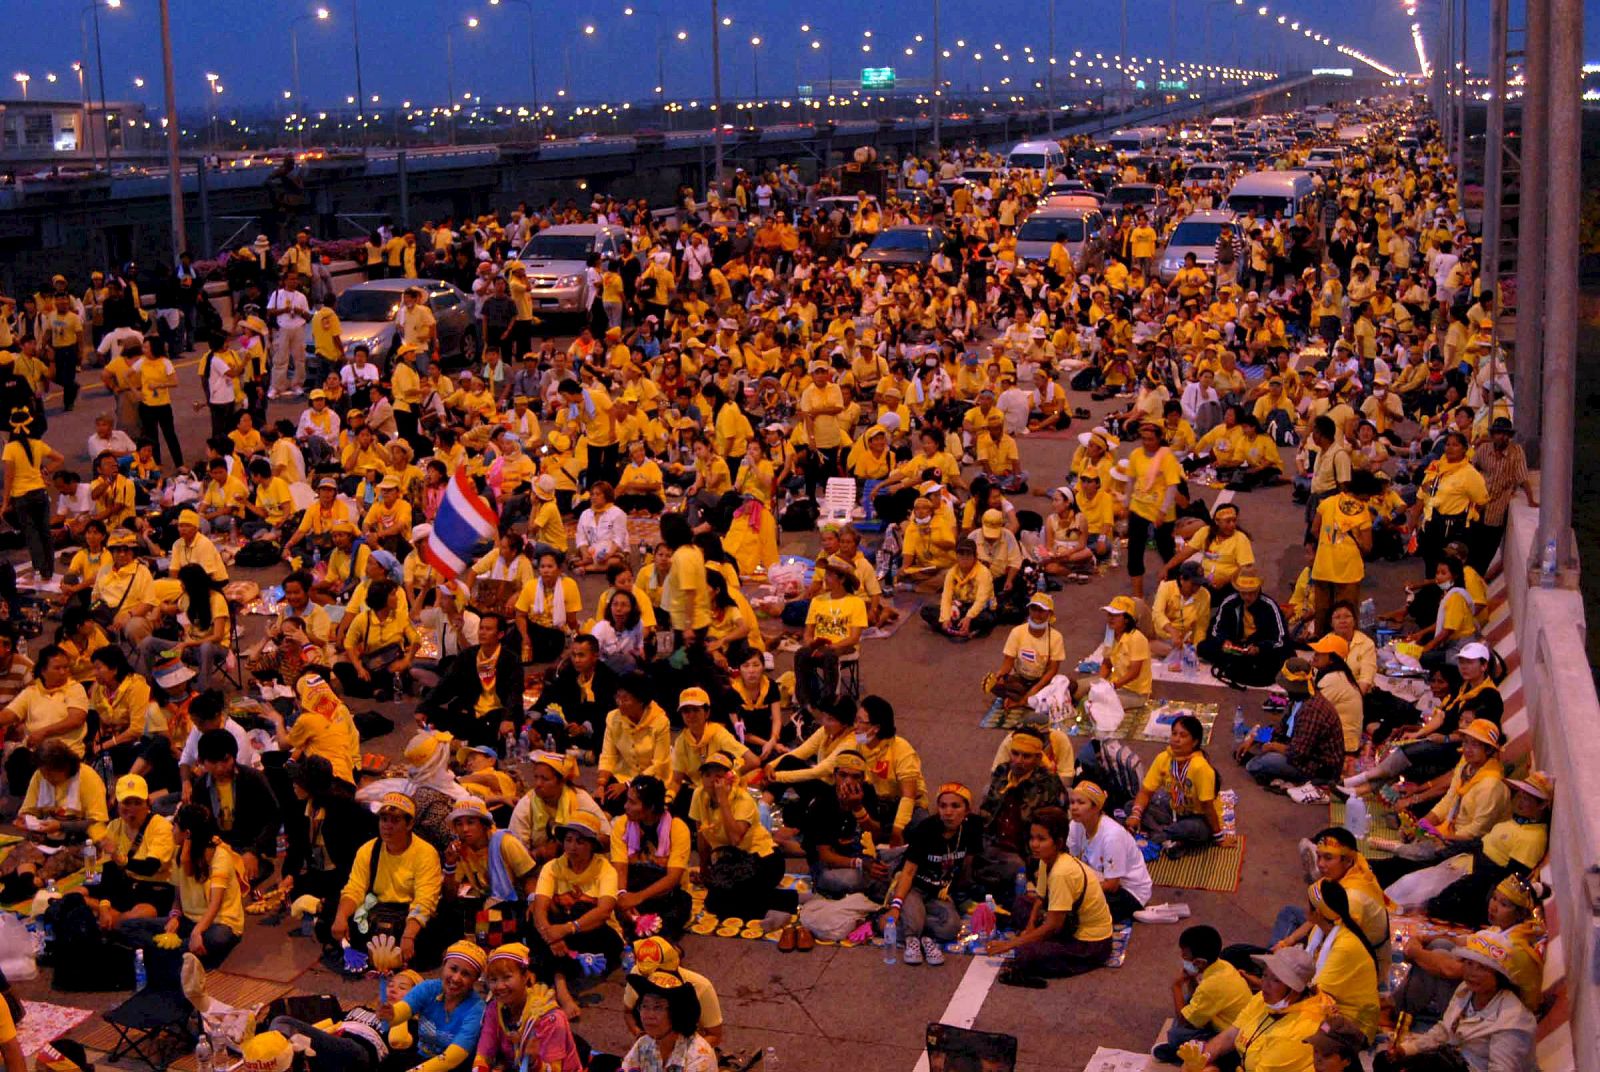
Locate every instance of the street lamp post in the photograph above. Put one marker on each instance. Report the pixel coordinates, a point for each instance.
(213, 88)
(533, 63)
(450, 69)
(180, 239)
(1050, 74)
(716, 92)
(100, 76)
(938, 84)
(321, 15)
(22, 78)
(755, 70)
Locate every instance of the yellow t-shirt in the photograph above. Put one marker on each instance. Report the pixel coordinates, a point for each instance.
(757, 840)
(1192, 783)
(578, 891)
(547, 525)
(570, 597)
(834, 618)
(1273, 1042)
(1069, 883)
(1349, 976)
(39, 707)
(155, 378)
(1222, 561)
(1034, 651)
(25, 475)
(1150, 496)
(1132, 647)
(157, 844)
(673, 854)
(1338, 559)
(687, 595)
(194, 895)
(1220, 994)
(826, 432)
(325, 327)
(335, 740)
(413, 877)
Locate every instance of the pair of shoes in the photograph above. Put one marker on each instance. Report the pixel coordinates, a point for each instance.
(796, 939)
(1162, 913)
(787, 939)
(1012, 977)
(913, 951)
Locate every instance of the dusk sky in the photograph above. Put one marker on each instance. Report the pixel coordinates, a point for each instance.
(402, 51)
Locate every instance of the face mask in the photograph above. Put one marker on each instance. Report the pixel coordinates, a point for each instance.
(1278, 1006)
(863, 738)
(1037, 627)
(1191, 968)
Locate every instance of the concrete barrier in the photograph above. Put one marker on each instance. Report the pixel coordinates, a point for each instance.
(1558, 687)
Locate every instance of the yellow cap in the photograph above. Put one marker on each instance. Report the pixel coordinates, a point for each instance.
(1121, 605)
(693, 697)
(132, 787)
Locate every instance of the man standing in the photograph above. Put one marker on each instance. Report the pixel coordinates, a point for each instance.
(418, 328)
(288, 312)
(68, 341)
(1504, 466)
(219, 373)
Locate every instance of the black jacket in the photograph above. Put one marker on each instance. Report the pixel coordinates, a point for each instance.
(347, 826)
(564, 691)
(256, 815)
(1271, 632)
(456, 695)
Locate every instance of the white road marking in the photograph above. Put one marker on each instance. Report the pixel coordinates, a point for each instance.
(968, 998)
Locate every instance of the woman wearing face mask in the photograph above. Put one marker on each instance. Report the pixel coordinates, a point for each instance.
(1270, 1031)
(1033, 652)
(522, 1025)
(894, 770)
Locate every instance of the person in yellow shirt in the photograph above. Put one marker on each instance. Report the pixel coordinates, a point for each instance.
(549, 609)
(388, 521)
(685, 593)
(1142, 245)
(821, 403)
(380, 644)
(728, 818)
(1177, 804)
(112, 493)
(1270, 1033)
(137, 855)
(1343, 525)
(316, 524)
(1151, 501)
(402, 874)
(157, 378)
(1068, 922)
(574, 905)
(1207, 997)
(208, 913)
(1347, 970)
(1181, 610)
(966, 605)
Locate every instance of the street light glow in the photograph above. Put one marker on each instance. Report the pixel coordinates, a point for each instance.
(323, 13)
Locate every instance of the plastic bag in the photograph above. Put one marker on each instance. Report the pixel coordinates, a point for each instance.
(1104, 706)
(16, 949)
(834, 920)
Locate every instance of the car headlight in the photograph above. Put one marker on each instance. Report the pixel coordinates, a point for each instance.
(569, 280)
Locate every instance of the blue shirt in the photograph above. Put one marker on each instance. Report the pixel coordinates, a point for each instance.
(436, 1030)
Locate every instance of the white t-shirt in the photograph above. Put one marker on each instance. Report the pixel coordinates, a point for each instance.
(291, 307)
(219, 385)
(190, 756)
(1113, 853)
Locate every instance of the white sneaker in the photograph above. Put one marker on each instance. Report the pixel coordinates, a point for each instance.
(913, 951)
(1180, 910)
(1161, 913)
(932, 952)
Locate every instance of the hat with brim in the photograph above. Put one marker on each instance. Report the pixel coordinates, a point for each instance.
(1491, 950)
(584, 825)
(1535, 783)
(1484, 732)
(1295, 678)
(1332, 644)
(545, 487)
(1292, 966)
(1475, 650)
(718, 761)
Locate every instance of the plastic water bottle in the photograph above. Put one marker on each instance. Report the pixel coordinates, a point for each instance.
(1369, 615)
(1548, 566)
(769, 1059)
(91, 864)
(202, 1054)
(1019, 888)
(891, 942)
(1240, 729)
(140, 977)
(549, 742)
(994, 911)
(1116, 552)
(1191, 659)
(1357, 819)
(627, 960)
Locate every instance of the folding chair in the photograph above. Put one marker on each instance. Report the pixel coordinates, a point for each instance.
(850, 675)
(838, 502)
(154, 1026)
(235, 675)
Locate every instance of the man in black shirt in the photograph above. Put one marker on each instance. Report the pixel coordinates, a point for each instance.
(242, 801)
(836, 828)
(940, 853)
(498, 314)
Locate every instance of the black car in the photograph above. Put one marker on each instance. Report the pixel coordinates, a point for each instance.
(909, 244)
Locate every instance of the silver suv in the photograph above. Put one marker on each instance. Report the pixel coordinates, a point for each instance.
(1197, 234)
(556, 258)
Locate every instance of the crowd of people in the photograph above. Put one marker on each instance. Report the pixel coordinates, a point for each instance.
(585, 759)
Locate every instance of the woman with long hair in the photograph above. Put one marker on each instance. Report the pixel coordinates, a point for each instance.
(1347, 967)
(1068, 923)
(208, 913)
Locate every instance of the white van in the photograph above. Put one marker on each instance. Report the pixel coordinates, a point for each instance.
(1265, 192)
(1136, 139)
(1036, 156)
(1224, 124)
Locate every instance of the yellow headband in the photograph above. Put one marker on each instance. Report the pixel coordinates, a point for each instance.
(958, 789)
(1026, 744)
(1515, 889)
(468, 953)
(1096, 795)
(1333, 848)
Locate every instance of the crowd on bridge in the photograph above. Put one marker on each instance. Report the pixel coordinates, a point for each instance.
(633, 715)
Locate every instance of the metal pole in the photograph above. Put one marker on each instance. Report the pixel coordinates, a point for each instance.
(1122, 63)
(1531, 202)
(450, 81)
(716, 90)
(1050, 75)
(403, 180)
(533, 67)
(1493, 153)
(1564, 103)
(203, 191)
(755, 74)
(88, 134)
(100, 73)
(938, 86)
(355, 32)
(294, 68)
(180, 240)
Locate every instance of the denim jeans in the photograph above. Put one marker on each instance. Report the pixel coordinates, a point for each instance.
(165, 966)
(1180, 1032)
(1269, 766)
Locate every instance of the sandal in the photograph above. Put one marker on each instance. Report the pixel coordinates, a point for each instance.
(804, 940)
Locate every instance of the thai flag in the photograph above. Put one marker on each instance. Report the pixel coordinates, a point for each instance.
(463, 521)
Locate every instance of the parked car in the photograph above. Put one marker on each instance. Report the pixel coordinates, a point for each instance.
(908, 244)
(1197, 234)
(556, 259)
(1128, 197)
(366, 318)
(1081, 229)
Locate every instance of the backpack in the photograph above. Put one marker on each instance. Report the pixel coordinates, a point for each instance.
(258, 554)
(84, 958)
(1116, 768)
